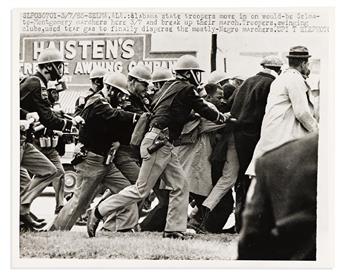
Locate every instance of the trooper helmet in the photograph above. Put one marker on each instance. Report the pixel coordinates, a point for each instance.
(50, 55)
(187, 62)
(53, 58)
(217, 77)
(117, 80)
(97, 72)
(162, 74)
(141, 73)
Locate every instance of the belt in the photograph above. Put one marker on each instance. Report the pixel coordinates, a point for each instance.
(155, 130)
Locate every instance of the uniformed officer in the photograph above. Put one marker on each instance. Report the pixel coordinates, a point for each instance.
(127, 159)
(172, 109)
(52, 152)
(34, 98)
(97, 84)
(100, 138)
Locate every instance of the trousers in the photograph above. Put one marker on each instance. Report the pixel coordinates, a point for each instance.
(59, 180)
(162, 163)
(90, 174)
(228, 178)
(128, 164)
(33, 161)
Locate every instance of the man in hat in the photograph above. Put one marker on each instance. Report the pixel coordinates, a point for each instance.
(289, 113)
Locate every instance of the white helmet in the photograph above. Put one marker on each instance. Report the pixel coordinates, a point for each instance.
(141, 72)
(97, 72)
(50, 55)
(187, 62)
(117, 80)
(162, 74)
(217, 77)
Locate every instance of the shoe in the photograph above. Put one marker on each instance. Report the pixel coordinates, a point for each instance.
(35, 218)
(104, 230)
(92, 222)
(81, 221)
(205, 211)
(26, 228)
(28, 221)
(174, 235)
(58, 209)
(201, 229)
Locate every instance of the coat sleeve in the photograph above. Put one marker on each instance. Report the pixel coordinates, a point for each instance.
(199, 105)
(47, 117)
(113, 115)
(297, 90)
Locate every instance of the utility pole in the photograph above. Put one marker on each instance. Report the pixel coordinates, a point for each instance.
(214, 52)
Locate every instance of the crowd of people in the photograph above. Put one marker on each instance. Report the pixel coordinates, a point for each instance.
(189, 143)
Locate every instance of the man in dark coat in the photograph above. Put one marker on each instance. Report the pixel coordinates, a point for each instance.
(279, 221)
(249, 109)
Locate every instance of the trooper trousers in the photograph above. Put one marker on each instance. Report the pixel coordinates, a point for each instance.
(59, 180)
(160, 164)
(90, 174)
(228, 178)
(128, 164)
(43, 170)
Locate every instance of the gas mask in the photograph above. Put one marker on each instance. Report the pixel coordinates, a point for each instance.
(195, 78)
(56, 70)
(117, 98)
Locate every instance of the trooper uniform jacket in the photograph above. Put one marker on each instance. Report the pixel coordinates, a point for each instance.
(103, 124)
(174, 109)
(34, 98)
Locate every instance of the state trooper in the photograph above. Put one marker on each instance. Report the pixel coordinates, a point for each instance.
(51, 149)
(33, 98)
(127, 159)
(100, 138)
(172, 109)
(97, 83)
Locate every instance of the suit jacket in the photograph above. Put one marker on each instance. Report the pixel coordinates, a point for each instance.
(279, 220)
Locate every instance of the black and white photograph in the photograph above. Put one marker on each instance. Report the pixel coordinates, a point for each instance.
(172, 137)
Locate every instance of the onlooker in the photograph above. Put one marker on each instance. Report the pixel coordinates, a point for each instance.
(279, 220)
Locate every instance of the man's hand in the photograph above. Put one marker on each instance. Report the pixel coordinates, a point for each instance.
(225, 117)
(33, 115)
(78, 120)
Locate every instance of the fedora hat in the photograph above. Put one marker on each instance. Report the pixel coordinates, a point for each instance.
(298, 52)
